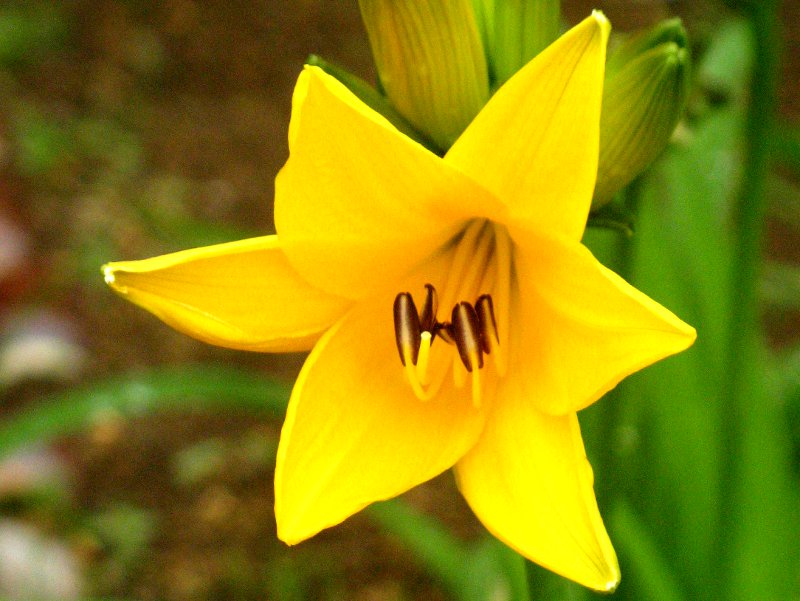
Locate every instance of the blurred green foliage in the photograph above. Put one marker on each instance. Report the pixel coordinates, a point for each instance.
(29, 29)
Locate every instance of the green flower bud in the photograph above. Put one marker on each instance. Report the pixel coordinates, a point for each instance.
(515, 31)
(669, 30)
(430, 61)
(642, 103)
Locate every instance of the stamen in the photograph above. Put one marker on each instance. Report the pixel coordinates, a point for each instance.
(459, 372)
(445, 331)
(502, 295)
(406, 328)
(476, 388)
(477, 267)
(466, 332)
(416, 385)
(427, 318)
(480, 266)
(464, 256)
(487, 326)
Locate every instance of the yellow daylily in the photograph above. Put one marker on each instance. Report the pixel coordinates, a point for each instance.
(368, 221)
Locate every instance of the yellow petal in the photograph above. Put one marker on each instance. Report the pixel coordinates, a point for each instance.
(529, 482)
(355, 433)
(241, 295)
(358, 203)
(585, 328)
(535, 144)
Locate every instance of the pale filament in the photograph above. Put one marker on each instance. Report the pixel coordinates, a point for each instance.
(460, 379)
(502, 297)
(466, 259)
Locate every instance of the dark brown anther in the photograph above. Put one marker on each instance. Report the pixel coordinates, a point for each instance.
(466, 330)
(444, 330)
(484, 308)
(427, 317)
(406, 327)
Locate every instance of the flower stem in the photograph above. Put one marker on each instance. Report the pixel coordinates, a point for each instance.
(748, 230)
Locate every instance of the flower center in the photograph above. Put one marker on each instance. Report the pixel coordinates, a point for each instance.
(480, 270)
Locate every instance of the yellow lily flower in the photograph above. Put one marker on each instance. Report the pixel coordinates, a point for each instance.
(529, 328)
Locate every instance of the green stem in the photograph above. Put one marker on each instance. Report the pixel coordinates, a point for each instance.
(609, 483)
(748, 230)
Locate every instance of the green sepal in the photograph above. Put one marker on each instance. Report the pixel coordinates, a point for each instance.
(613, 216)
(643, 100)
(373, 99)
(430, 61)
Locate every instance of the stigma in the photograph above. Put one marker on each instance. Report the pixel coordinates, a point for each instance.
(472, 330)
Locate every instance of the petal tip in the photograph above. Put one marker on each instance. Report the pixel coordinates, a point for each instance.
(108, 274)
(310, 71)
(109, 271)
(602, 22)
(612, 584)
(288, 537)
(687, 335)
(600, 17)
(608, 575)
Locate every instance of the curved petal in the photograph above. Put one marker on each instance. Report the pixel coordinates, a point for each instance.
(585, 328)
(529, 482)
(535, 144)
(358, 204)
(355, 432)
(241, 295)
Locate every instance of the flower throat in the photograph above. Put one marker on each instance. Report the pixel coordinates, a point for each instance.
(481, 262)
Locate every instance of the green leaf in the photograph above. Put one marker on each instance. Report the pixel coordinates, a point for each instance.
(682, 258)
(766, 497)
(489, 570)
(641, 558)
(208, 388)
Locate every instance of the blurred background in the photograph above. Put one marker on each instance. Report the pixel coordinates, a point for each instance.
(134, 128)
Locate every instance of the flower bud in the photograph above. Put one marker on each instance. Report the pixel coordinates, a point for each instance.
(515, 31)
(643, 100)
(668, 30)
(430, 62)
